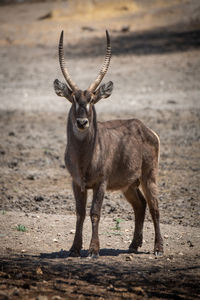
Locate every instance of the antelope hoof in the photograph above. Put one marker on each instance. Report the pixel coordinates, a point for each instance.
(93, 252)
(74, 253)
(158, 250)
(93, 255)
(133, 250)
(158, 253)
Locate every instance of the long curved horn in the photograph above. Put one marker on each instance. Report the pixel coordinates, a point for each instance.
(104, 67)
(63, 67)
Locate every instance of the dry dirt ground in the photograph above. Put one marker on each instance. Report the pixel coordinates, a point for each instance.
(155, 69)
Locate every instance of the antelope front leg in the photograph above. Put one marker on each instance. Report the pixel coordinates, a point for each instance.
(81, 199)
(98, 194)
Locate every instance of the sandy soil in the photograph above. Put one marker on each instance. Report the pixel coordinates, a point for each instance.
(155, 69)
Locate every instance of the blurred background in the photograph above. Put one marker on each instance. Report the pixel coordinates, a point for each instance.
(139, 29)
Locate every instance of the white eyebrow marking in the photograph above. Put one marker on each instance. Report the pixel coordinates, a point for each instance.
(88, 107)
(76, 104)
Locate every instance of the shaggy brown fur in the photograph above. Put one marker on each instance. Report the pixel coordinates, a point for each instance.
(115, 155)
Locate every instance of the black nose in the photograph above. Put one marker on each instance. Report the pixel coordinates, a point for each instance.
(82, 123)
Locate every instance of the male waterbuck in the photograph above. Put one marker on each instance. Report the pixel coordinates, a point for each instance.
(113, 155)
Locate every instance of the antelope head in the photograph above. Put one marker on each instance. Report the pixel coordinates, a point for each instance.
(83, 101)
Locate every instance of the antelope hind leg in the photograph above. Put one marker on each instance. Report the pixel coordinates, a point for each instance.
(138, 202)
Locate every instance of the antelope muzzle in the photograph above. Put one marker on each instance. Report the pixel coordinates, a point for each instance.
(82, 123)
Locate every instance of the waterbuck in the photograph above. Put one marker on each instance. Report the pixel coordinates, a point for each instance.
(113, 155)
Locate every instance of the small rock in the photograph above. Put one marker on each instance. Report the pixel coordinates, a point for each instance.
(110, 287)
(55, 240)
(139, 291)
(70, 258)
(31, 177)
(170, 257)
(124, 7)
(171, 102)
(42, 297)
(2, 152)
(72, 231)
(12, 164)
(15, 292)
(195, 169)
(166, 236)
(38, 198)
(87, 28)
(190, 244)
(11, 133)
(39, 271)
(119, 289)
(56, 298)
(125, 28)
(49, 15)
(129, 257)
(180, 253)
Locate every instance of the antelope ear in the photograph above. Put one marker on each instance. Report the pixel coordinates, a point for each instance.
(104, 91)
(62, 90)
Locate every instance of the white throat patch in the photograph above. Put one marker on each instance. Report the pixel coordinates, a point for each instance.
(79, 134)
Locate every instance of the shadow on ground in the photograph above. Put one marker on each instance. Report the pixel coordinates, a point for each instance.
(158, 41)
(93, 277)
(84, 253)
